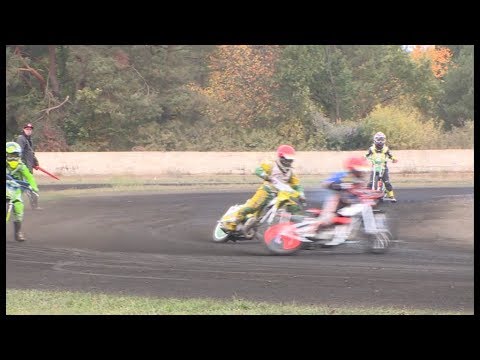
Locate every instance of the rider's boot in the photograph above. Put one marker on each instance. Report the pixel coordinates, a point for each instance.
(337, 240)
(315, 235)
(233, 223)
(391, 196)
(318, 229)
(19, 236)
(34, 201)
(341, 234)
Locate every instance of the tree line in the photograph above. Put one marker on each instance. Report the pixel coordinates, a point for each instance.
(240, 97)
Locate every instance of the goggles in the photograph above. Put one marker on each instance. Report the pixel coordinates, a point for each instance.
(285, 161)
(13, 157)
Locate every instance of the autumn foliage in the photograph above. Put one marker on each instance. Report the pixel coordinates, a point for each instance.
(439, 58)
(241, 83)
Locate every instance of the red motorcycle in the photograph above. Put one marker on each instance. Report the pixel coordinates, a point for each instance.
(360, 222)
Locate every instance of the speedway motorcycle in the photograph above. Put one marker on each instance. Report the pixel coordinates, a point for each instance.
(377, 176)
(360, 223)
(378, 169)
(254, 224)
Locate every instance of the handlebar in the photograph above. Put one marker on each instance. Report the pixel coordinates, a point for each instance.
(379, 162)
(19, 183)
(367, 194)
(281, 186)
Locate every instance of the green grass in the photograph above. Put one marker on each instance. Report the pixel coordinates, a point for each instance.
(40, 302)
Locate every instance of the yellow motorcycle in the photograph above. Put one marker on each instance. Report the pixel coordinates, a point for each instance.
(277, 210)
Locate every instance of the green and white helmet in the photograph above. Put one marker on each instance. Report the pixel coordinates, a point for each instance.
(14, 153)
(13, 148)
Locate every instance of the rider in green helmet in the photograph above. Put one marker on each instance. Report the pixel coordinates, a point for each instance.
(19, 171)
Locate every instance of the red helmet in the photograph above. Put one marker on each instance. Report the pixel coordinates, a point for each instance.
(286, 151)
(357, 165)
(28, 126)
(286, 154)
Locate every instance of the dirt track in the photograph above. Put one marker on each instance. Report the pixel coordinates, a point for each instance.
(159, 244)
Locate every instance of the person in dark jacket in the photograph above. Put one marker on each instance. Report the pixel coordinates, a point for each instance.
(29, 158)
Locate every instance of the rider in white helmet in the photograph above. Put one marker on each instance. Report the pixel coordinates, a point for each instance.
(379, 149)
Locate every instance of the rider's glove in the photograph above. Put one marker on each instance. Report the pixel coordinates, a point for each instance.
(302, 199)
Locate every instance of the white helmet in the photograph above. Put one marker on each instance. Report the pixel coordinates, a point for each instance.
(379, 140)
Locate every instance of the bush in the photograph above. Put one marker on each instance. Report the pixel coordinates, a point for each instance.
(346, 135)
(404, 128)
(458, 137)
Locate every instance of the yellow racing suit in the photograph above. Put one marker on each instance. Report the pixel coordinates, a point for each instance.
(268, 171)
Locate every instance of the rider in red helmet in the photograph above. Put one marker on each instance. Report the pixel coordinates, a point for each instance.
(285, 155)
(341, 188)
(278, 170)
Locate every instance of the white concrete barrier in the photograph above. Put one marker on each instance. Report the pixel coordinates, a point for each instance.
(240, 163)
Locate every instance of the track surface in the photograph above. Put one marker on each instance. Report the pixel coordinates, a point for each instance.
(160, 245)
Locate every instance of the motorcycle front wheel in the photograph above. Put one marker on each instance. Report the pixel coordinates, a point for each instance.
(219, 236)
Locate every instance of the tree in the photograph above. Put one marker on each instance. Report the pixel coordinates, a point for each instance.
(346, 81)
(456, 105)
(439, 57)
(32, 96)
(241, 83)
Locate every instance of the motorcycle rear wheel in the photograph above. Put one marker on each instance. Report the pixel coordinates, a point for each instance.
(379, 243)
(278, 244)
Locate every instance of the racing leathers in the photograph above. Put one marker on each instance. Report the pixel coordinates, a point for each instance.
(22, 173)
(382, 155)
(270, 172)
(340, 192)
